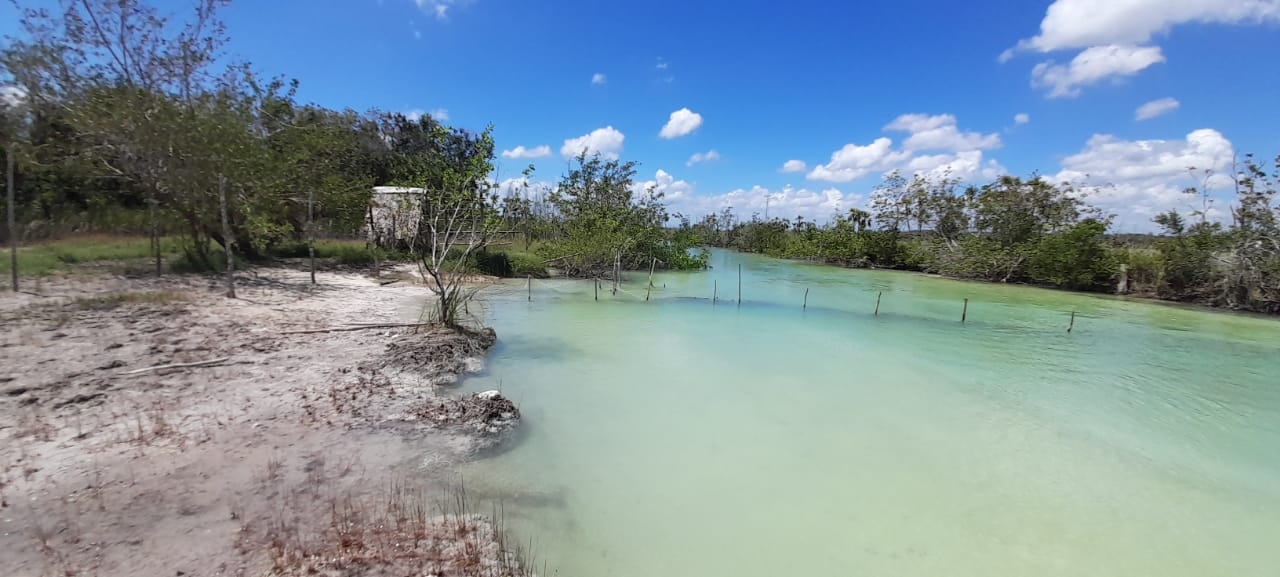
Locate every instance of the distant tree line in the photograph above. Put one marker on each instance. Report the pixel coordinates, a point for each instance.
(1038, 232)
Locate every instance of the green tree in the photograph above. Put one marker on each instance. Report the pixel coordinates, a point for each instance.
(1076, 259)
(1187, 253)
(607, 226)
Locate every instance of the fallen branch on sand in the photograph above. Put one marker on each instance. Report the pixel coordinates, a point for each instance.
(355, 328)
(207, 363)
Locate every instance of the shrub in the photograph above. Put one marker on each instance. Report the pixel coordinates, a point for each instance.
(525, 264)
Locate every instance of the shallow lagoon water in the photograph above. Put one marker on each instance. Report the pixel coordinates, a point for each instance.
(678, 437)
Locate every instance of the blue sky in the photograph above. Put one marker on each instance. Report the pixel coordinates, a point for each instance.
(849, 89)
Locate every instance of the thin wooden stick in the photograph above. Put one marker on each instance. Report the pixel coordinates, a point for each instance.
(739, 284)
(1073, 321)
(806, 300)
(715, 290)
(650, 289)
(878, 295)
(530, 288)
(597, 290)
(180, 366)
(964, 314)
(617, 271)
(354, 328)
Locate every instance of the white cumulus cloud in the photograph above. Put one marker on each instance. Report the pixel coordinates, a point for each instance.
(607, 142)
(598, 78)
(1156, 108)
(699, 157)
(1137, 179)
(1073, 24)
(1126, 29)
(673, 190)
(956, 153)
(966, 166)
(1092, 66)
(939, 132)
(855, 161)
(439, 114)
(681, 123)
(794, 166)
(1021, 118)
(540, 151)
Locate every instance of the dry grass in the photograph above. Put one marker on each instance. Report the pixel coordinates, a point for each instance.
(318, 526)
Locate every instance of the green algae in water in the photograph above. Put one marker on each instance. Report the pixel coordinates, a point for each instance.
(677, 437)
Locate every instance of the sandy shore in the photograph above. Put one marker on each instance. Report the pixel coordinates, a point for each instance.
(294, 454)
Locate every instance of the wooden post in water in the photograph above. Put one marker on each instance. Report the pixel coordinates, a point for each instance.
(806, 300)
(739, 284)
(226, 238)
(650, 289)
(597, 281)
(878, 295)
(530, 288)
(617, 271)
(715, 290)
(1072, 325)
(964, 314)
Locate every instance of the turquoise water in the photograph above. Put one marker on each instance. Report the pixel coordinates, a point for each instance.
(678, 437)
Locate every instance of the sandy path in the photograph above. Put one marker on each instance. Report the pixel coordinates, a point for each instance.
(215, 470)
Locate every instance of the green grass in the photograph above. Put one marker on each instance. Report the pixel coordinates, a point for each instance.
(343, 252)
(506, 261)
(525, 264)
(59, 255)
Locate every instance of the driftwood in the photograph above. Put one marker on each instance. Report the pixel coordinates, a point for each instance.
(355, 328)
(207, 363)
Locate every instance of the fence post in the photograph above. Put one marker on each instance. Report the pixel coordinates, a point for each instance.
(739, 284)
(530, 288)
(878, 295)
(1072, 325)
(715, 290)
(806, 300)
(964, 314)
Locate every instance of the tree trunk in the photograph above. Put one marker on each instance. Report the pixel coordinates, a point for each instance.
(311, 241)
(155, 237)
(13, 227)
(226, 236)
